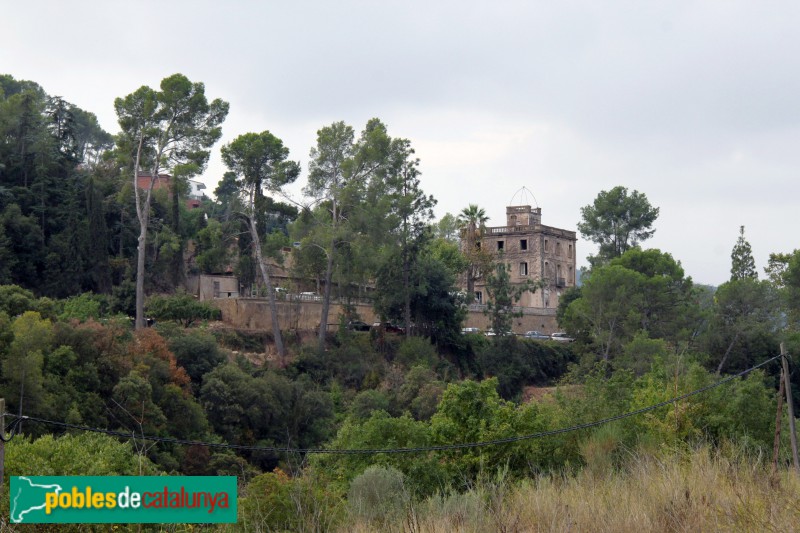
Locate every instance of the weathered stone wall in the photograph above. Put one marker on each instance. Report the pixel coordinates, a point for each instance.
(254, 314)
(228, 287)
(543, 320)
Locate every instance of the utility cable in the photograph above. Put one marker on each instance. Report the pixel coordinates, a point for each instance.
(6, 434)
(418, 449)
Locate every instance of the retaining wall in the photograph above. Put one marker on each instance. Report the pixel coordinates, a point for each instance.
(254, 314)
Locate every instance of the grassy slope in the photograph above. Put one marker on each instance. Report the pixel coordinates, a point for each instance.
(695, 491)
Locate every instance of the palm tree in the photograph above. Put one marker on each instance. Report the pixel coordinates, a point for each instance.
(472, 222)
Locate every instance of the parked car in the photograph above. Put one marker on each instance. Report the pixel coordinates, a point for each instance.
(561, 337)
(538, 335)
(309, 296)
(464, 331)
(280, 293)
(490, 333)
(388, 327)
(357, 325)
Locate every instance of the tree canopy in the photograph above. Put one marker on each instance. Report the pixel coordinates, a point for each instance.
(617, 221)
(260, 159)
(642, 290)
(168, 130)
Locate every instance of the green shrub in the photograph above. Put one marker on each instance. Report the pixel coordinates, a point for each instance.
(368, 401)
(423, 474)
(85, 306)
(517, 363)
(378, 494)
(416, 351)
(427, 401)
(353, 363)
(84, 454)
(14, 300)
(267, 503)
(241, 340)
(276, 502)
(197, 352)
(183, 308)
(638, 355)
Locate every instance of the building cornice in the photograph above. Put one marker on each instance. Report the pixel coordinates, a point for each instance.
(528, 230)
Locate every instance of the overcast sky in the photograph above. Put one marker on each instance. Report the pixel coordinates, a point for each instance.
(694, 104)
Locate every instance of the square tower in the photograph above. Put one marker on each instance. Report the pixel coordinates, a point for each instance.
(532, 251)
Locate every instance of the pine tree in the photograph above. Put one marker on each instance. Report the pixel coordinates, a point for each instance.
(503, 296)
(742, 264)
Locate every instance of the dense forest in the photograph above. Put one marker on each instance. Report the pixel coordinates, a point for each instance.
(86, 254)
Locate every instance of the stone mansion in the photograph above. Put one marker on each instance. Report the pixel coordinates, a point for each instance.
(532, 251)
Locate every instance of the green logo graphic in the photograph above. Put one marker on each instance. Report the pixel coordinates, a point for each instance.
(122, 499)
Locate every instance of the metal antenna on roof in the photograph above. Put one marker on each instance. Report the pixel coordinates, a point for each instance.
(521, 197)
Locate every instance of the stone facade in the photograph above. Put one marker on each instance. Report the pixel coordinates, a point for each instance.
(533, 252)
(211, 286)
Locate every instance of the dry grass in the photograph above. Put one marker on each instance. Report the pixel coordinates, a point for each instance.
(692, 491)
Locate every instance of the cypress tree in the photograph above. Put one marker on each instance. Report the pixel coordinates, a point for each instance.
(742, 264)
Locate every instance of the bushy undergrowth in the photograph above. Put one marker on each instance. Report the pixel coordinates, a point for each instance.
(372, 392)
(379, 496)
(698, 489)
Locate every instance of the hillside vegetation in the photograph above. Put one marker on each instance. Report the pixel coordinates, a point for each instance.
(83, 264)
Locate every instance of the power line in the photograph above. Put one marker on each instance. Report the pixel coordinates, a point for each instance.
(375, 451)
(10, 431)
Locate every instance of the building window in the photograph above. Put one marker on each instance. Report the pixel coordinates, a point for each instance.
(216, 289)
(558, 249)
(523, 244)
(523, 269)
(571, 278)
(479, 297)
(546, 247)
(500, 244)
(570, 252)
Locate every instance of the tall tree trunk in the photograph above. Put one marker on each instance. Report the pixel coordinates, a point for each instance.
(140, 252)
(470, 281)
(177, 260)
(406, 279)
(727, 353)
(407, 293)
(326, 299)
(143, 214)
(607, 347)
(273, 307)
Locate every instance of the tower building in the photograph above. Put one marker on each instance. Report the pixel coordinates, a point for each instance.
(532, 251)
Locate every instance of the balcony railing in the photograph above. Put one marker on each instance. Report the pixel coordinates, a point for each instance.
(511, 229)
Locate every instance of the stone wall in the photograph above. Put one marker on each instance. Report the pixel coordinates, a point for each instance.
(204, 286)
(543, 320)
(254, 314)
